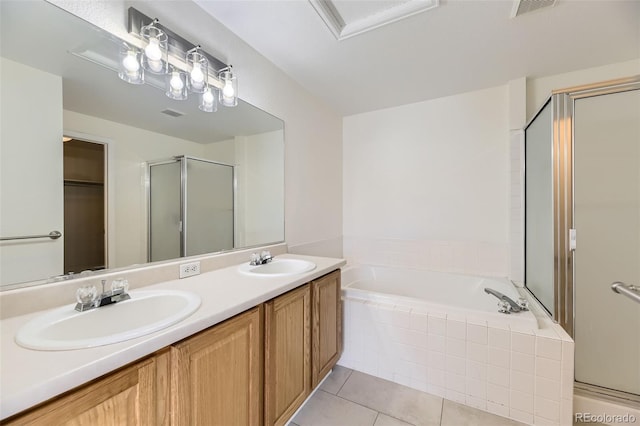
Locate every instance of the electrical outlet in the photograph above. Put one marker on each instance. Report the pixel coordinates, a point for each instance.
(189, 269)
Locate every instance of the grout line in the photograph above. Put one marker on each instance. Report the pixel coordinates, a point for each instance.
(345, 381)
(400, 420)
(353, 402)
(441, 411)
(371, 408)
(376, 419)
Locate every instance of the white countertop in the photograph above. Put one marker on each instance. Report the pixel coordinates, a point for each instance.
(29, 377)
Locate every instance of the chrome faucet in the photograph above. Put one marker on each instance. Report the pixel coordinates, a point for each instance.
(506, 304)
(260, 259)
(88, 297)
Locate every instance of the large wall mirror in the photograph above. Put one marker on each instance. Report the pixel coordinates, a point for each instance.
(59, 82)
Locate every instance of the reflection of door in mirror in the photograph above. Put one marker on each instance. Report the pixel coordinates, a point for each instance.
(84, 206)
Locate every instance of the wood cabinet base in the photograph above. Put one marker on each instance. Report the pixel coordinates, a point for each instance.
(287, 354)
(326, 325)
(135, 395)
(216, 374)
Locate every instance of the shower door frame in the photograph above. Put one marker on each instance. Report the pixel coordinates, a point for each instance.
(182, 160)
(563, 102)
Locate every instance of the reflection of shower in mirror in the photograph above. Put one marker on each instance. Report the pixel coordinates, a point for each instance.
(190, 207)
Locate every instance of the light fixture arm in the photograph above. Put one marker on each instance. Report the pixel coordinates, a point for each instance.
(196, 48)
(154, 23)
(177, 45)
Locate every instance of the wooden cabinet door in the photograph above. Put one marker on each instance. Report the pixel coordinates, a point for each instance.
(217, 375)
(326, 330)
(131, 396)
(287, 354)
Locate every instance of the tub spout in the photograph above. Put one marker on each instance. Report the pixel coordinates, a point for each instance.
(507, 304)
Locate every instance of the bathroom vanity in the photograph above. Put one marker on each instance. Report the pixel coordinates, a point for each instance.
(250, 355)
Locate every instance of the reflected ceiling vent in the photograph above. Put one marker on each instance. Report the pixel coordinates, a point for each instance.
(520, 7)
(172, 112)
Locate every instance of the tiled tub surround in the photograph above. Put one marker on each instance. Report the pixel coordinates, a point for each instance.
(28, 377)
(518, 372)
(481, 258)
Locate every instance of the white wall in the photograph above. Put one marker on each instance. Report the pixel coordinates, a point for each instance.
(29, 204)
(223, 151)
(313, 131)
(260, 180)
(426, 184)
(259, 175)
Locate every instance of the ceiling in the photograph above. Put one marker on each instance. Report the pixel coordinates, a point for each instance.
(458, 46)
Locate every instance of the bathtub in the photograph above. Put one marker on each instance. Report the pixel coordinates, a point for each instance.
(442, 334)
(456, 295)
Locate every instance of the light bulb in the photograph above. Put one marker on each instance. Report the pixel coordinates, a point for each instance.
(228, 91)
(176, 83)
(207, 98)
(197, 76)
(154, 55)
(153, 51)
(130, 63)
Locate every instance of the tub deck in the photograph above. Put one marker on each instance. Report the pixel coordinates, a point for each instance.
(462, 296)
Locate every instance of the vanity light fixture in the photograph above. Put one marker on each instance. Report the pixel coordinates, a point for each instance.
(229, 90)
(155, 52)
(187, 68)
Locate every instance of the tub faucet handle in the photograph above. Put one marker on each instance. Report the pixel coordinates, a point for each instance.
(523, 303)
(513, 306)
(504, 307)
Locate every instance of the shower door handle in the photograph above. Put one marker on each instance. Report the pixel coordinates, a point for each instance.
(627, 290)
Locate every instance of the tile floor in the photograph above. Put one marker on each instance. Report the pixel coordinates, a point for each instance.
(351, 398)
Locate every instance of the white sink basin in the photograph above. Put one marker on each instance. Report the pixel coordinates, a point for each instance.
(278, 268)
(146, 312)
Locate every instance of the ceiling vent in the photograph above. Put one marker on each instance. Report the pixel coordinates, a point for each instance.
(521, 7)
(172, 112)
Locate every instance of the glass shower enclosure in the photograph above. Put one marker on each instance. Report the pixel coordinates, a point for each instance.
(190, 207)
(582, 228)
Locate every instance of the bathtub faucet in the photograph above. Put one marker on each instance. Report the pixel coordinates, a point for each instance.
(506, 304)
